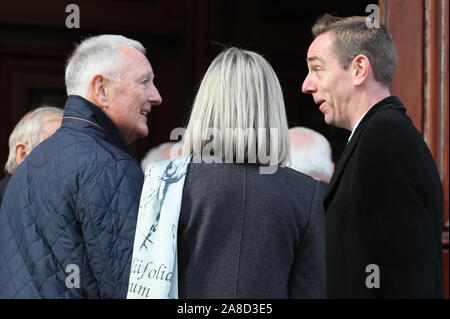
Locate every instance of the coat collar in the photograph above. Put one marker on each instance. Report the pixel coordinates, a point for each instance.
(79, 113)
(391, 102)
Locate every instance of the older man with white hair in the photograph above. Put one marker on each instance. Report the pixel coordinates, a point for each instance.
(34, 127)
(311, 153)
(162, 152)
(69, 215)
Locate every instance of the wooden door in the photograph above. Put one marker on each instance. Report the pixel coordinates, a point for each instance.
(420, 31)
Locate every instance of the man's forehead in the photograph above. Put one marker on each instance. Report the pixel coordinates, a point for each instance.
(321, 48)
(131, 54)
(314, 58)
(128, 50)
(135, 62)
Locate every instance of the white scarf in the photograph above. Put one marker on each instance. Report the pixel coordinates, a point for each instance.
(154, 266)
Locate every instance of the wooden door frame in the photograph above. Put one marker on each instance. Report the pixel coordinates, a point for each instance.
(420, 32)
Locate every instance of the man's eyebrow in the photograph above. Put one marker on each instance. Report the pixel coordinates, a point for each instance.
(314, 58)
(148, 74)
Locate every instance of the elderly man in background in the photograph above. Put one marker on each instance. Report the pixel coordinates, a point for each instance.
(162, 152)
(311, 153)
(32, 129)
(68, 221)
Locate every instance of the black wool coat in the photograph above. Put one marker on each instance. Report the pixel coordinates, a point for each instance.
(384, 207)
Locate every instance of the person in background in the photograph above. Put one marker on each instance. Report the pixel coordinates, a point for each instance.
(161, 152)
(32, 129)
(311, 153)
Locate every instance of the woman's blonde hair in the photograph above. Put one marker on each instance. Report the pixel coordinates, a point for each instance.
(238, 113)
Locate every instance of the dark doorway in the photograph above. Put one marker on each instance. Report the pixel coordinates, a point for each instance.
(281, 31)
(182, 38)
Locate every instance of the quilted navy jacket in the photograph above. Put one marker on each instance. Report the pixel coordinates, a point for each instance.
(70, 208)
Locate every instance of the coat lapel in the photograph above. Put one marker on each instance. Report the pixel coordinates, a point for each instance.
(342, 164)
(389, 102)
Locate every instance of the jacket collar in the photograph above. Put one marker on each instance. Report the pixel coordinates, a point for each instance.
(79, 113)
(391, 102)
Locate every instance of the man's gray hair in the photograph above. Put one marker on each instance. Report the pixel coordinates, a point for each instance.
(95, 55)
(310, 152)
(29, 130)
(352, 37)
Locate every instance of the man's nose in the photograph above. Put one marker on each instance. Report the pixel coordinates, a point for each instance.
(308, 86)
(155, 98)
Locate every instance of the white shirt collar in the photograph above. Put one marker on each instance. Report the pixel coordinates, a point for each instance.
(356, 125)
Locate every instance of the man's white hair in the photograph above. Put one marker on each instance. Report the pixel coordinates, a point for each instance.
(95, 55)
(162, 152)
(310, 152)
(29, 131)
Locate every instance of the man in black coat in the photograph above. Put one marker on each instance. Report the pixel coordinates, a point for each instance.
(384, 203)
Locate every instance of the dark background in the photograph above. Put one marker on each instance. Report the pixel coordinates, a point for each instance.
(182, 38)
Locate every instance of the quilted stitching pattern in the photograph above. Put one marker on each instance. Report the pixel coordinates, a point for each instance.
(74, 200)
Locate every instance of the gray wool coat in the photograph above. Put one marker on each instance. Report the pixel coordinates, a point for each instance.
(243, 234)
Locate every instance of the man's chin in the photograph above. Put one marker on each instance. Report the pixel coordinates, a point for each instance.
(143, 133)
(134, 137)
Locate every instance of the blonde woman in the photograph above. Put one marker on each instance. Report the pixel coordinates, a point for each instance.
(248, 226)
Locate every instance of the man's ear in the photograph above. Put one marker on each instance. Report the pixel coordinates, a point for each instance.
(21, 151)
(360, 69)
(98, 91)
